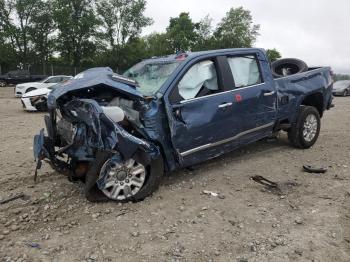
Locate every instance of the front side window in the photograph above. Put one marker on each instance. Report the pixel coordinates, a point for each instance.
(245, 71)
(65, 78)
(200, 80)
(53, 80)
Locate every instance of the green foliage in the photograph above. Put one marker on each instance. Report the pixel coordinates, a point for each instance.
(182, 33)
(16, 18)
(122, 19)
(204, 34)
(236, 30)
(339, 77)
(77, 25)
(122, 22)
(87, 33)
(158, 44)
(273, 54)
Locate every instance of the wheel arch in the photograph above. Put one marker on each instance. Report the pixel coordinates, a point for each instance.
(316, 100)
(29, 89)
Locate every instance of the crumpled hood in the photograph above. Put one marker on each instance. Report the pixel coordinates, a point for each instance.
(94, 77)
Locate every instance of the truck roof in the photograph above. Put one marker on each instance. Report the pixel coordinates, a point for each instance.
(174, 57)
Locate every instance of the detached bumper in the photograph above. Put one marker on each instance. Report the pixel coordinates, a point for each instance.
(27, 104)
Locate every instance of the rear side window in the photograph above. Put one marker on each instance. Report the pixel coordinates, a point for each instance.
(200, 80)
(65, 78)
(245, 71)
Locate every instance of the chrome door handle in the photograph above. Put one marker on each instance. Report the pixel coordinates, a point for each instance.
(269, 93)
(225, 105)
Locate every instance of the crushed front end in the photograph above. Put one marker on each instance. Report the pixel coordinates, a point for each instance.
(81, 128)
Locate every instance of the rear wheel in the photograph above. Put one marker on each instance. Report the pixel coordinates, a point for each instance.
(122, 181)
(306, 129)
(345, 93)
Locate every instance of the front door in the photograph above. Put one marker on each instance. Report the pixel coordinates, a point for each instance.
(202, 118)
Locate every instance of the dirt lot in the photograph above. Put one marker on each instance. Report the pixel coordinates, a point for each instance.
(308, 220)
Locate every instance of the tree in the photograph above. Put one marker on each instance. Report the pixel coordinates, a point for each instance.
(7, 56)
(15, 21)
(182, 33)
(236, 30)
(41, 33)
(122, 19)
(158, 44)
(204, 34)
(273, 54)
(122, 22)
(77, 26)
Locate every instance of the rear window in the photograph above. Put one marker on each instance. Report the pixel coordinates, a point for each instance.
(245, 71)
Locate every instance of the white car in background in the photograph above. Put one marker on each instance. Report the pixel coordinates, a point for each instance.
(36, 100)
(24, 88)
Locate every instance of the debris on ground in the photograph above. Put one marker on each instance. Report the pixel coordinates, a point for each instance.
(315, 170)
(210, 193)
(12, 198)
(263, 181)
(309, 216)
(32, 244)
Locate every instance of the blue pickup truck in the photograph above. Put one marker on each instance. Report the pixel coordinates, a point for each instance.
(121, 133)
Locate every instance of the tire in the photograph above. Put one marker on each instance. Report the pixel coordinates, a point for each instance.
(3, 83)
(288, 66)
(154, 173)
(30, 89)
(345, 93)
(296, 133)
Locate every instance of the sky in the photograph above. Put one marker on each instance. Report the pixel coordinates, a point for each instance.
(316, 31)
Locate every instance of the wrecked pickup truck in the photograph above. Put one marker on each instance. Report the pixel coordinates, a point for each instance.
(120, 133)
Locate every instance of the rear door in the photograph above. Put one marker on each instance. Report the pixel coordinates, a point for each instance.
(255, 97)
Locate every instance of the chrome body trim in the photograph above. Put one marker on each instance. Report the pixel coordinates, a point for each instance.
(227, 140)
(216, 94)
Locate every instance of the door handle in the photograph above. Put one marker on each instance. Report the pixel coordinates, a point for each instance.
(178, 115)
(225, 105)
(269, 93)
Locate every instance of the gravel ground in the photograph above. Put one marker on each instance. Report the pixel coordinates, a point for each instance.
(307, 220)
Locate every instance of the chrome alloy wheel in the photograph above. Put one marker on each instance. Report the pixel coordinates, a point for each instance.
(122, 180)
(310, 127)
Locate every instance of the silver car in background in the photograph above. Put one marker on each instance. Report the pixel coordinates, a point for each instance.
(341, 88)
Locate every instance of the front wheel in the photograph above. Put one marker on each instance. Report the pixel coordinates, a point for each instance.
(110, 178)
(306, 129)
(3, 83)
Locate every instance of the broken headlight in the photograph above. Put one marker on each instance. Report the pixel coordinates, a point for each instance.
(36, 99)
